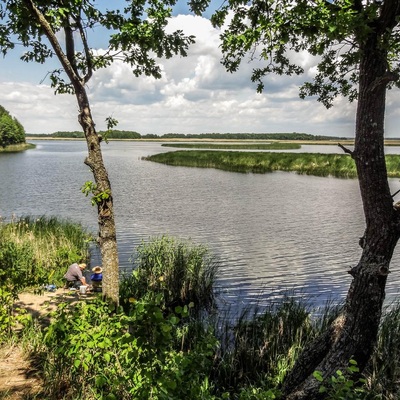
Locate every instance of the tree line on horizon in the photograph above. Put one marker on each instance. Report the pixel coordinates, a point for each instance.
(120, 134)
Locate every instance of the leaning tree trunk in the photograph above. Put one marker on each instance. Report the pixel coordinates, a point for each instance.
(102, 191)
(105, 211)
(353, 334)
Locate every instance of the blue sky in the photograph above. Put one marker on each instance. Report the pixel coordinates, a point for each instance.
(194, 95)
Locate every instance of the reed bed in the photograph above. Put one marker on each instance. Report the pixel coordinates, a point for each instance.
(238, 146)
(16, 148)
(384, 369)
(336, 165)
(182, 272)
(35, 251)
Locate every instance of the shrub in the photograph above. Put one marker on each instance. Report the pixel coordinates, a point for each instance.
(95, 351)
(343, 386)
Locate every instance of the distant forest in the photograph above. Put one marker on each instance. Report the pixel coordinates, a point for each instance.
(116, 134)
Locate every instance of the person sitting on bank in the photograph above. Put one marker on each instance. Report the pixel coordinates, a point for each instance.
(74, 276)
(96, 278)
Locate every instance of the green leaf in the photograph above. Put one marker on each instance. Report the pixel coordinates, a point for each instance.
(100, 381)
(318, 376)
(166, 328)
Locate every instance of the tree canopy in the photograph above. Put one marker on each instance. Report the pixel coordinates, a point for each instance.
(11, 131)
(332, 31)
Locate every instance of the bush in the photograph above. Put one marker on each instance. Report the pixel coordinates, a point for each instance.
(95, 351)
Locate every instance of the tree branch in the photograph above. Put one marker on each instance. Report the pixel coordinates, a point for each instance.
(346, 150)
(70, 46)
(394, 194)
(53, 41)
(386, 78)
(88, 56)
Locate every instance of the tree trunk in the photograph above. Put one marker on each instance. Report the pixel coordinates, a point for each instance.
(105, 211)
(353, 334)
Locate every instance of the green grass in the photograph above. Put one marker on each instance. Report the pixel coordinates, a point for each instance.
(16, 148)
(337, 165)
(34, 251)
(238, 146)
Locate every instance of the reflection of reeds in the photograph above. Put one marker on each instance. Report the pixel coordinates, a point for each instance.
(337, 165)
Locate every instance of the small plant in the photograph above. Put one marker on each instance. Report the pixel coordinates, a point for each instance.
(257, 393)
(342, 386)
(98, 196)
(7, 320)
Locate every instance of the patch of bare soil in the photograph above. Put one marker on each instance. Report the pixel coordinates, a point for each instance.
(19, 380)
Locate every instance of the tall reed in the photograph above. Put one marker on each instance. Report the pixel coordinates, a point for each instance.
(34, 251)
(183, 272)
(383, 372)
(337, 165)
(261, 346)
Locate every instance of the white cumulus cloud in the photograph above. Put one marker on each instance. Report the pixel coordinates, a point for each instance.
(194, 95)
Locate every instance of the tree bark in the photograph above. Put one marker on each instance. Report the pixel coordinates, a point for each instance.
(353, 334)
(105, 209)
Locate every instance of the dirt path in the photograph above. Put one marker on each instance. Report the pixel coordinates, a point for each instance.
(18, 379)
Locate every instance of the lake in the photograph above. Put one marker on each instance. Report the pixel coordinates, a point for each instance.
(269, 232)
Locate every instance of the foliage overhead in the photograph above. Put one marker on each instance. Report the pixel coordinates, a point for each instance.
(136, 36)
(333, 32)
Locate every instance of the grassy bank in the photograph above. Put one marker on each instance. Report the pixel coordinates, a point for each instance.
(168, 340)
(237, 146)
(337, 165)
(15, 148)
(36, 251)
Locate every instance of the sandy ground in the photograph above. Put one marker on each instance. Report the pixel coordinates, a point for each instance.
(18, 378)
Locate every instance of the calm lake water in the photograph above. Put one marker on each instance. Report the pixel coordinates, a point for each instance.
(270, 233)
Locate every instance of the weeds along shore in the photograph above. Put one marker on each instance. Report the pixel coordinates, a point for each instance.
(336, 165)
(168, 339)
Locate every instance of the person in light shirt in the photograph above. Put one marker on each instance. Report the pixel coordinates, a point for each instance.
(74, 276)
